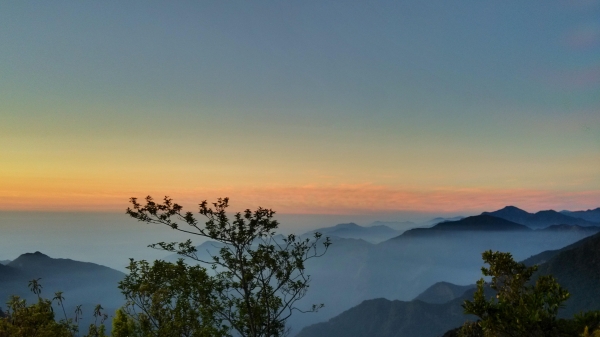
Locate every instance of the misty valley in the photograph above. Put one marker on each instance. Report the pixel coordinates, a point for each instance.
(387, 279)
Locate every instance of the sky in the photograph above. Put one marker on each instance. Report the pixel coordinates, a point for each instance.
(305, 107)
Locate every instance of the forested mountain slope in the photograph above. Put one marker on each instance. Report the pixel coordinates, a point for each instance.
(578, 270)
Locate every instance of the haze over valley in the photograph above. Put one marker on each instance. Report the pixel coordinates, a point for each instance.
(364, 263)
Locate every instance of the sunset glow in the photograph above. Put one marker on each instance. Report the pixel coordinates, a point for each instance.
(293, 107)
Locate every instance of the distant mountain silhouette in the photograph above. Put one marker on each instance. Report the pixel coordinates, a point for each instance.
(592, 215)
(540, 219)
(571, 228)
(4, 261)
(511, 213)
(373, 234)
(443, 292)
(438, 220)
(68, 274)
(41, 265)
(397, 225)
(83, 283)
(477, 223)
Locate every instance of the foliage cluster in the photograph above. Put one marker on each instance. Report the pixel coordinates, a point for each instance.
(169, 299)
(38, 319)
(512, 305)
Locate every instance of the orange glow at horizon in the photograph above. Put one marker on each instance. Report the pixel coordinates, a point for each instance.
(308, 199)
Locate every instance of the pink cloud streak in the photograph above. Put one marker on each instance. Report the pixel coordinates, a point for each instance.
(334, 199)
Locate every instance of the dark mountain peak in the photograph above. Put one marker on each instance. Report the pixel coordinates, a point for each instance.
(511, 208)
(512, 211)
(28, 258)
(37, 254)
(42, 264)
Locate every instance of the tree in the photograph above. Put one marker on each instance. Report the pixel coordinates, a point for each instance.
(256, 278)
(24, 320)
(518, 308)
(38, 319)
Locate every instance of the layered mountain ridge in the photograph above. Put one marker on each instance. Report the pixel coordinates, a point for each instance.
(373, 234)
(540, 219)
(423, 264)
(576, 267)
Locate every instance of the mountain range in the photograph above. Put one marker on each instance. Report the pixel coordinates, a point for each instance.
(365, 263)
(509, 218)
(540, 219)
(403, 267)
(476, 223)
(377, 231)
(589, 215)
(406, 225)
(576, 267)
(373, 234)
